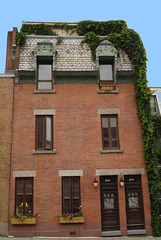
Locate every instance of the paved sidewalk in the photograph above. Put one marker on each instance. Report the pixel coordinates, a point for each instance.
(80, 238)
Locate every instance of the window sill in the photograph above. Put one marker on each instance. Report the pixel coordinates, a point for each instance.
(45, 91)
(111, 150)
(116, 91)
(137, 232)
(36, 152)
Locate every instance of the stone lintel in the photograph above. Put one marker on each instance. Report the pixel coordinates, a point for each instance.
(44, 112)
(70, 173)
(24, 173)
(132, 171)
(108, 111)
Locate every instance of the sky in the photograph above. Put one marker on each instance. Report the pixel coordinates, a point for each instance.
(143, 16)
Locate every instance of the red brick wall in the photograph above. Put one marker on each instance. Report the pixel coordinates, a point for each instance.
(77, 140)
(10, 64)
(6, 105)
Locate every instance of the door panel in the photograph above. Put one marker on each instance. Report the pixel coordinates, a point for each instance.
(109, 203)
(134, 202)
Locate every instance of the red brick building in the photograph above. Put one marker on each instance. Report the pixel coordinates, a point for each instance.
(6, 105)
(75, 124)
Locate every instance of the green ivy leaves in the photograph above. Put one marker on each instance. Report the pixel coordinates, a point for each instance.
(130, 42)
(37, 29)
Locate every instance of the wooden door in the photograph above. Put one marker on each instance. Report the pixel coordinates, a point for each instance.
(134, 202)
(109, 203)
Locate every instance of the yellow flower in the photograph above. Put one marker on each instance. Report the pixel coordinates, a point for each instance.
(21, 205)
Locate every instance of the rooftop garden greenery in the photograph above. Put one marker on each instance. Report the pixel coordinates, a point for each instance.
(129, 41)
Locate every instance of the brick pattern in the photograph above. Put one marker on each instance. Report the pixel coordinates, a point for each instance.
(10, 64)
(6, 103)
(70, 55)
(77, 140)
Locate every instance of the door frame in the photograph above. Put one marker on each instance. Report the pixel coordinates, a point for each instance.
(109, 185)
(134, 196)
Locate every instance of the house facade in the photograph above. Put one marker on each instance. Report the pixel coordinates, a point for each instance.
(76, 141)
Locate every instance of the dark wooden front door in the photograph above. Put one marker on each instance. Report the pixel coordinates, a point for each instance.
(109, 203)
(134, 202)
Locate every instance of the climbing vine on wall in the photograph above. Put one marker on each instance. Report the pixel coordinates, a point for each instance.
(157, 134)
(40, 29)
(129, 41)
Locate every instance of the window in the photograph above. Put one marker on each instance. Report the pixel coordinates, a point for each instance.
(106, 71)
(44, 74)
(24, 196)
(153, 103)
(44, 130)
(71, 194)
(110, 131)
(106, 76)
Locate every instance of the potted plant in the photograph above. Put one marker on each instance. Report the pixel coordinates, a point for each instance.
(72, 217)
(24, 219)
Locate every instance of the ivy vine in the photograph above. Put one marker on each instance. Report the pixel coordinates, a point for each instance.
(59, 40)
(129, 41)
(40, 29)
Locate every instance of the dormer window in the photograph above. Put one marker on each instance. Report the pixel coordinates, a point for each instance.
(106, 60)
(44, 74)
(44, 63)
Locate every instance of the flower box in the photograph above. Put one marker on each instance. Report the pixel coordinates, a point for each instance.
(71, 220)
(23, 221)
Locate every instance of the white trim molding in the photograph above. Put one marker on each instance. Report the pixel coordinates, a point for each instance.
(44, 112)
(130, 171)
(70, 173)
(24, 174)
(108, 111)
